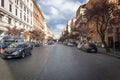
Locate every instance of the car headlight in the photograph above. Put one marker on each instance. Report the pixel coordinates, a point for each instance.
(15, 53)
(20, 50)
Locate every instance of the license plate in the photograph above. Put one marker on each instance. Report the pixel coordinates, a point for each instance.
(9, 57)
(92, 50)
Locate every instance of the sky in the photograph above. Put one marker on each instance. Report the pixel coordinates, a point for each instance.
(58, 12)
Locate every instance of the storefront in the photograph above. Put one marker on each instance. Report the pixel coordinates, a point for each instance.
(118, 34)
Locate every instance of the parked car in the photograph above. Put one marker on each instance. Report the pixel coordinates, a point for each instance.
(92, 48)
(70, 44)
(37, 44)
(16, 50)
(80, 45)
(88, 47)
(30, 44)
(3, 45)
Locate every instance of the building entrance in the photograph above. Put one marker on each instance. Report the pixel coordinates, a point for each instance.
(110, 42)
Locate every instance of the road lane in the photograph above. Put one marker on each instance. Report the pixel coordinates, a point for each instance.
(60, 62)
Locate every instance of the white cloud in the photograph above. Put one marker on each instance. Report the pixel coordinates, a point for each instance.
(60, 26)
(57, 36)
(57, 10)
(54, 11)
(67, 7)
(57, 31)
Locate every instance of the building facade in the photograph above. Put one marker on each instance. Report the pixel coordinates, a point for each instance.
(16, 13)
(112, 33)
(87, 28)
(48, 34)
(38, 18)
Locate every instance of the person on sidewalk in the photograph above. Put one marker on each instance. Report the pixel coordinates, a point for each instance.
(116, 45)
(119, 46)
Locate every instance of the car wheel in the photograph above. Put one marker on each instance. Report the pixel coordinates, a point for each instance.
(30, 53)
(95, 51)
(23, 54)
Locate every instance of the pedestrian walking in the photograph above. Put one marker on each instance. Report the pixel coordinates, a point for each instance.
(119, 46)
(116, 45)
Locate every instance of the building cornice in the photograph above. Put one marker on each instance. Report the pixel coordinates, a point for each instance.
(34, 2)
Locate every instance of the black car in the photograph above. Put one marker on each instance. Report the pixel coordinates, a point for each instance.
(92, 48)
(16, 50)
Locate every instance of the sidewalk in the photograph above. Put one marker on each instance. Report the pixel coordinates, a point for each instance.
(112, 53)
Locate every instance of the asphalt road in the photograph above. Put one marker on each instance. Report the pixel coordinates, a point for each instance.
(60, 62)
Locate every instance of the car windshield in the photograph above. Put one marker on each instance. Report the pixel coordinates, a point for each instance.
(20, 46)
(13, 45)
(92, 45)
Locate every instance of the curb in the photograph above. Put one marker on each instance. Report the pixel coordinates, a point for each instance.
(110, 54)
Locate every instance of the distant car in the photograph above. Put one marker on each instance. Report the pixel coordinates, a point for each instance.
(92, 48)
(50, 42)
(37, 44)
(16, 50)
(70, 44)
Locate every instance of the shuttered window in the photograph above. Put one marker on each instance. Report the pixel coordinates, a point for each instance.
(2, 3)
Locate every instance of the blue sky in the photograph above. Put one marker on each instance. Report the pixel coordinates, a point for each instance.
(58, 12)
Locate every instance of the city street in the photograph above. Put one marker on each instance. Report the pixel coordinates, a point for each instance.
(60, 62)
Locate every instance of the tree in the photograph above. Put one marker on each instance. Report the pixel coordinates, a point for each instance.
(14, 31)
(101, 13)
(37, 35)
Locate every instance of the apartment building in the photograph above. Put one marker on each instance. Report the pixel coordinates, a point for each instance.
(16, 13)
(38, 20)
(112, 33)
(48, 34)
(38, 17)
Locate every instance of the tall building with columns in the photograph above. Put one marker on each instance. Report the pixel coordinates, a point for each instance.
(16, 13)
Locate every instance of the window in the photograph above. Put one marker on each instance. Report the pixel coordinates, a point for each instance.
(24, 26)
(10, 7)
(16, 1)
(31, 14)
(28, 12)
(118, 2)
(21, 14)
(28, 1)
(110, 30)
(31, 22)
(24, 17)
(109, 1)
(27, 19)
(9, 20)
(24, 8)
(16, 12)
(21, 5)
(31, 4)
(1, 17)
(15, 23)
(117, 30)
(2, 3)
(118, 15)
